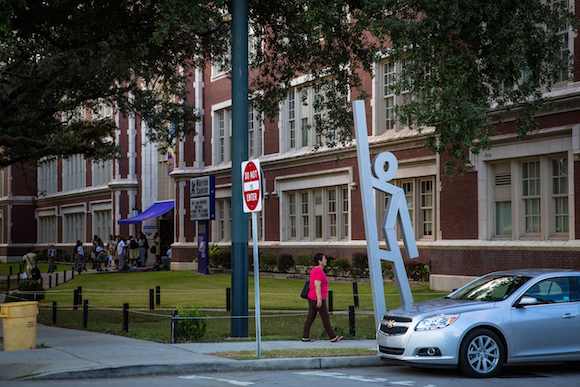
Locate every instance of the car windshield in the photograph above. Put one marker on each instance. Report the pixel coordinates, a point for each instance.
(490, 288)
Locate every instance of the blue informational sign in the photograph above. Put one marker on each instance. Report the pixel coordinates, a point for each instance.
(202, 198)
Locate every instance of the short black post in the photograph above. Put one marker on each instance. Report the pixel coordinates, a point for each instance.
(228, 299)
(151, 299)
(174, 326)
(10, 269)
(126, 317)
(351, 326)
(42, 282)
(64, 273)
(85, 313)
(56, 279)
(330, 302)
(54, 313)
(72, 273)
(8, 279)
(75, 299)
(50, 282)
(158, 295)
(355, 293)
(80, 289)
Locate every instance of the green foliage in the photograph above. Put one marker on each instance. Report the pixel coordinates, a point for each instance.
(417, 271)
(268, 261)
(214, 256)
(285, 263)
(304, 259)
(28, 290)
(342, 264)
(387, 270)
(225, 259)
(360, 264)
(191, 329)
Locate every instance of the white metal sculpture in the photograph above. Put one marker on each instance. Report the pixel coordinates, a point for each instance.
(384, 168)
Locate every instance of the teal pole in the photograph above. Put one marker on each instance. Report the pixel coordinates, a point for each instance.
(239, 149)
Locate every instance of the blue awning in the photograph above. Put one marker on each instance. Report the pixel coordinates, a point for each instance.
(157, 209)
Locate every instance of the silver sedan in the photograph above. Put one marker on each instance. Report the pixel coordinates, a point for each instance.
(504, 317)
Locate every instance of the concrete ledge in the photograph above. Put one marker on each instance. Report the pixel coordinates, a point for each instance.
(181, 266)
(215, 366)
(447, 283)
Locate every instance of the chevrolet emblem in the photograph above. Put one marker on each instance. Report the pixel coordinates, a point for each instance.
(390, 323)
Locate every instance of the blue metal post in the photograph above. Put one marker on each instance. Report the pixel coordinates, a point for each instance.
(239, 147)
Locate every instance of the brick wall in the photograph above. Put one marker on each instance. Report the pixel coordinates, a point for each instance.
(459, 207)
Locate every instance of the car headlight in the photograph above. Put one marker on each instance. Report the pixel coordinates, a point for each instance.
(436, 322)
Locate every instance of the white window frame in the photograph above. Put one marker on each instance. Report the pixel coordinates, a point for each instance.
(48, 176)
(386, 98)
(73, 173)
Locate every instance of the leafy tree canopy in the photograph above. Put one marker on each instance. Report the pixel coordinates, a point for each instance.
(58, 58)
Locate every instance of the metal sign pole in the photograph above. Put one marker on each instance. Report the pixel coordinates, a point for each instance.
(256, 281)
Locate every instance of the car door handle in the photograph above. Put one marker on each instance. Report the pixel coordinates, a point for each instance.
(569, 315)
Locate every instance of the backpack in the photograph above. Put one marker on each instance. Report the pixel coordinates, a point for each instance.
(133, 244)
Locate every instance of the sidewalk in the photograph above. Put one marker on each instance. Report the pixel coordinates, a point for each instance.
(72, 354)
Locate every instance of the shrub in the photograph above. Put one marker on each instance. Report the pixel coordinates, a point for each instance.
(225, 259)
(191, 329)
(360, 264)
(417, 271)
(214, 256)
(42, 255)
(342, 264)
(285, 263)
(268, 261)
(28, 290)
(387, 269)
(304, 259)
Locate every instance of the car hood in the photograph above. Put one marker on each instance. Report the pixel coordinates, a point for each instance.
(439, 306)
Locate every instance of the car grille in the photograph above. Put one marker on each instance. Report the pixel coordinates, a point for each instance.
(397, 318)
(391, 351)
(393, 331)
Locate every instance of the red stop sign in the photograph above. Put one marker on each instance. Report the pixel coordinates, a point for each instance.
(251, 186)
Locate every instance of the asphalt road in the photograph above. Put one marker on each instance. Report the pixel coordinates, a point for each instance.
(541, 375)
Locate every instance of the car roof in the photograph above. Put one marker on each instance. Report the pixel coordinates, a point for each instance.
(537, 272)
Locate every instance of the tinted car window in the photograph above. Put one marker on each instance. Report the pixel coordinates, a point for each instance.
(490, 288)
(551, 290)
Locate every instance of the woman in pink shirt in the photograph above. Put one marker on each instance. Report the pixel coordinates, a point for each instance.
(317, 300)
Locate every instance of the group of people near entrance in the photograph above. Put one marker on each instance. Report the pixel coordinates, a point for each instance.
(119, 252)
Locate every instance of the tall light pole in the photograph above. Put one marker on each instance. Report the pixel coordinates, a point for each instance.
(239, 149)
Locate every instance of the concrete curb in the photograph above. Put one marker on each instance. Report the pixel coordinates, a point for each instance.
(214, 366)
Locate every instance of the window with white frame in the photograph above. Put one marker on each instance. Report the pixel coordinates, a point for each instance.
(47, 176)
(223, 134)
(73, 172)
(47, 226)
(566, 36)
(299, 113)
(73, 227)
(387, 97)
(318, 214)
(102, 172)
(420, 199)
(531, 198)
(220, 66)
(102, 224)
(165, 189)
(223, 220)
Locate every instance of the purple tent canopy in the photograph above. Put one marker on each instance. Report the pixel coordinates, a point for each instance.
(157, 209)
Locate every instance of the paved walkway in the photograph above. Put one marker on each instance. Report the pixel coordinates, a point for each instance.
(72, 354)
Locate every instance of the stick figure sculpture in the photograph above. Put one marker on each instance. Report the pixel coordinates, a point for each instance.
(384, 168)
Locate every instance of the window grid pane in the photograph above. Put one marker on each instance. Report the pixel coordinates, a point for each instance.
(531, 196)
(427, 207)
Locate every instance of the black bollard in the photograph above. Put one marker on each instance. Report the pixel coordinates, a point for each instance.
(42, 282)
(54, 313)
(72, 273)
(49, 281)
(64, 273)
(8, 279)
(56, 279)
(174, 326)
(351, 326)
(355, 293)
(151, 299)
(75, 299)
(125, 317)
(330, 301)
(228, 299)
(10, 269)
(85, 313)
(80, 295)
(158, 295)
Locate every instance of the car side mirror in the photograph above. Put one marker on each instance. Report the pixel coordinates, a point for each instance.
(527, 300)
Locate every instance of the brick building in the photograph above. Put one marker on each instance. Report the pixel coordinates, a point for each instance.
(516, 207)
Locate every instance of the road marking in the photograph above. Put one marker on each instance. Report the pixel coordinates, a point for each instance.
(338, 375)
(229, 381)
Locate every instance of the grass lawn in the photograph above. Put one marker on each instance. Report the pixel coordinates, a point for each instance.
(106, 294)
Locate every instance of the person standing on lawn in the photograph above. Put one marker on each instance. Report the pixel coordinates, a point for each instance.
(157, 241)
(121, 251)
(317, 300)
(80, 259)
(51, 258)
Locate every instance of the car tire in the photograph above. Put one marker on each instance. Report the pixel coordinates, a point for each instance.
(481, 354)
